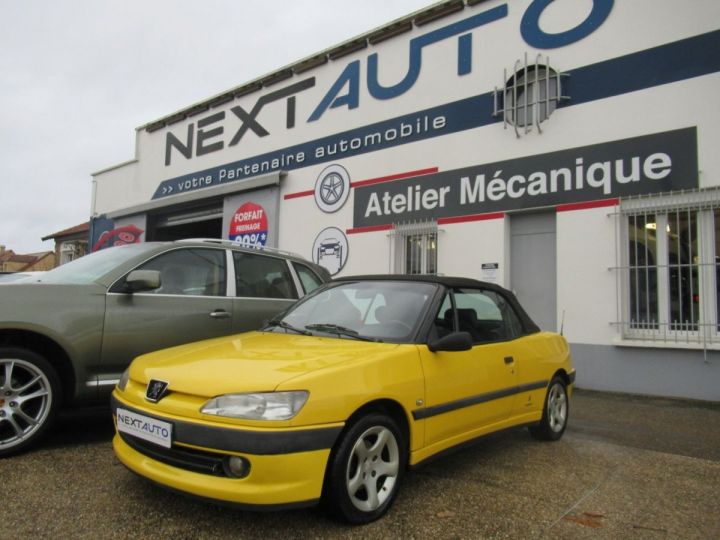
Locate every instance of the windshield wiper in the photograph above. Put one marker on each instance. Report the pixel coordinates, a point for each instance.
(287, 326)
(339, 330)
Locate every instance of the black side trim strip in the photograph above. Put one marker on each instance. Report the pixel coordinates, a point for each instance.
(443, 408)
(245, 441)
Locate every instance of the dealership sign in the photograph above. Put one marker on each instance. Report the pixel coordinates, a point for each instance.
(655, 163)
(227, 128)
(209, 134)
(589, 83)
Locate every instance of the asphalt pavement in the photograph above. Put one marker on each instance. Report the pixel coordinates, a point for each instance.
(627, 467)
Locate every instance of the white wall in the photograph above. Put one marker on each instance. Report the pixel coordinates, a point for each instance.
(586, 284)
(464, 247)
(114, 186)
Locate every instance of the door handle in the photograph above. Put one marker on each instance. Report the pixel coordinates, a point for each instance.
(220, 314)
(509, 359)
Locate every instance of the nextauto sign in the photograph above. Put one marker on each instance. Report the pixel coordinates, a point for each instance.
(655, 163)
(211, 133)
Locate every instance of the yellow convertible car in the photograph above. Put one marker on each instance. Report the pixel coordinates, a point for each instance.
(334, 399)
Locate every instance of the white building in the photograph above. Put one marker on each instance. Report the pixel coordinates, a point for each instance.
(567, 150)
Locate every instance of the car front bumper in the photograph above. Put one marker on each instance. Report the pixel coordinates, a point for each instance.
(276, 478)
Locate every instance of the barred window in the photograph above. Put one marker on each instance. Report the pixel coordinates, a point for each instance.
(529, 96)
(642, 251)
(415, 248)
(671, 267)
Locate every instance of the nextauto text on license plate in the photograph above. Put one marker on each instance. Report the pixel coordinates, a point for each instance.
(144, 427)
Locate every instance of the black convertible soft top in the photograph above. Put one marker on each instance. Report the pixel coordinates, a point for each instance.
(449, 282)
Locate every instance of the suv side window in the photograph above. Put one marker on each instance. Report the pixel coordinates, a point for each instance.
(308, 278)
(260, 276)
(192, 272)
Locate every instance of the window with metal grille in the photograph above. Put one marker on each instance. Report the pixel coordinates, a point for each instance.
(415, 248)
(529, 96)
(670, 267)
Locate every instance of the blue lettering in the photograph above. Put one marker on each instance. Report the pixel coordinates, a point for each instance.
(416, 45)
(464, 54)
(536, 37)
(350, 77)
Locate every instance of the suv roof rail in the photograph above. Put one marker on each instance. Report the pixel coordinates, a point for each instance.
(232, 243)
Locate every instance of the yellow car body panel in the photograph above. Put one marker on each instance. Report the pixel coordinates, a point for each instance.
(491, 387)
(438, 399)
(341, 375)
(296, 477)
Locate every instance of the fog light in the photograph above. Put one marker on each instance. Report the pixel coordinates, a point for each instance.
(237, 467)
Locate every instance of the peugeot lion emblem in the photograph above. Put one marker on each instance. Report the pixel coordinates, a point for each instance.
(156, 390)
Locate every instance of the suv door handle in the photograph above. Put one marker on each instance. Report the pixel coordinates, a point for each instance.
(220, 314)
(509, 359)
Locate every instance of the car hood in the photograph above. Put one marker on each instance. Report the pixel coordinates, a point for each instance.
(250, 362)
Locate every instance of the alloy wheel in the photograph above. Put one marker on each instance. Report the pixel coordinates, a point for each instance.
(557, 407)
(25, 401)
(373, 468)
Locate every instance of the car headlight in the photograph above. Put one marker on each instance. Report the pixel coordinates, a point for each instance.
(124, 378)
(259, 406)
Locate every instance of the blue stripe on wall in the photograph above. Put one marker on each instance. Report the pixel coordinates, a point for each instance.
(665, 64)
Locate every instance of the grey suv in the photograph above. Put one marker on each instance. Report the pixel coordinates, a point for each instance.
(66, 337)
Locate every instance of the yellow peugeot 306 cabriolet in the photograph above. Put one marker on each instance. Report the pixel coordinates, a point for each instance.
(336, 397)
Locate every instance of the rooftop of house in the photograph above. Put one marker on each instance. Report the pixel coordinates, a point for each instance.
(71, 231)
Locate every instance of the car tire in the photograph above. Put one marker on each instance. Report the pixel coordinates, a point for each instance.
(30, 396)
(556, 410)
(365, 469)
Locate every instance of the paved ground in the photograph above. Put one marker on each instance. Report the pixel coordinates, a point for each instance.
(627, 467)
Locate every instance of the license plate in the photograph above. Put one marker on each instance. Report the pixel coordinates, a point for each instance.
(144, 427)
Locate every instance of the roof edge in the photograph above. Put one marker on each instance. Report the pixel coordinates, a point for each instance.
(369, 38)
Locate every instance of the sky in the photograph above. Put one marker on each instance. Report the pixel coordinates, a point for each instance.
(78, 76)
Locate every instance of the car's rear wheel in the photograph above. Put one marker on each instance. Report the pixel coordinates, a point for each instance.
(555, 412)
(366, 469)
(29, 398)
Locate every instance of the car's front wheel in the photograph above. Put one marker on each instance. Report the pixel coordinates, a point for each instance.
(366, 469)
(29, 398)
(555, 412)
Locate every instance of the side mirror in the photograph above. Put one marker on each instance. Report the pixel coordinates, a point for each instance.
(142, 280)
(457, 341)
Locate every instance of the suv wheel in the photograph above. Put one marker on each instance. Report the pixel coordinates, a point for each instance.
(29, 398)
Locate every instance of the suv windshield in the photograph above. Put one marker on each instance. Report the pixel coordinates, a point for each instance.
(91, 267)
(376, 310)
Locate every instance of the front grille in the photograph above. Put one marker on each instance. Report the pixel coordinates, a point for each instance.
(185, 458)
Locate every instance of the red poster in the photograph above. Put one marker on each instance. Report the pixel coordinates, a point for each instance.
(249, 225)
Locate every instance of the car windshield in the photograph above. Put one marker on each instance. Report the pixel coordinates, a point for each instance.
(91, 267)
(366, 310)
